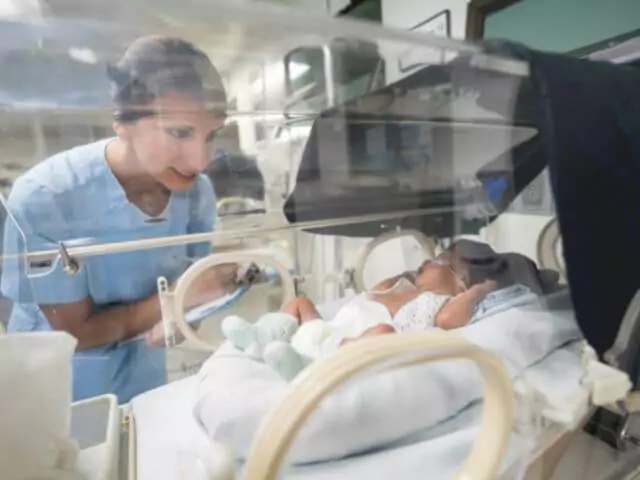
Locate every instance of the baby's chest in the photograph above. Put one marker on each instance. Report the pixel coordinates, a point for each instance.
(359, 315)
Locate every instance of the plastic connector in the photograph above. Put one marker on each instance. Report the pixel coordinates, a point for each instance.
(570, 413)
(608, 385)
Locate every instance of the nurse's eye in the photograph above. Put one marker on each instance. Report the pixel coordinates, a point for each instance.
(180, 133)
(213, 134)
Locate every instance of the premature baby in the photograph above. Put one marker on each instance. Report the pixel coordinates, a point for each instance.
(437, 295)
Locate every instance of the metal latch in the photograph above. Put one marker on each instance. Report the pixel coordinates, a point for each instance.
(625, 437)
(70, 265)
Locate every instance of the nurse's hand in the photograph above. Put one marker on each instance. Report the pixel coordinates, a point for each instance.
(155, 336)
(215, 282)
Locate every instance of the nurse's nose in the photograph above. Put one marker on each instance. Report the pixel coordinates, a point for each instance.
(198, 158)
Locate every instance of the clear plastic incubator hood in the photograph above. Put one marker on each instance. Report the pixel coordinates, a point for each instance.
(292, 246)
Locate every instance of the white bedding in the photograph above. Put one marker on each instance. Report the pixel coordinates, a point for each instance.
(380, 410)
(169, 439)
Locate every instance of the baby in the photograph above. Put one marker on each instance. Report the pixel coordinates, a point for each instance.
(436, 295)
(466, 283)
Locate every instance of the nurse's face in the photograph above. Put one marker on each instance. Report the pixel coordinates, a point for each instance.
(175, 145)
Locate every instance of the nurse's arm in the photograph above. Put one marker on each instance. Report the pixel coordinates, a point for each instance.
(114, 324)
(213, 283)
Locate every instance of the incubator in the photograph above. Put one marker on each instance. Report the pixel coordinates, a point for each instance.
(345, 163)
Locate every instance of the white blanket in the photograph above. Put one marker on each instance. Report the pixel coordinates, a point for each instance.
(170, 442)
(235, 392)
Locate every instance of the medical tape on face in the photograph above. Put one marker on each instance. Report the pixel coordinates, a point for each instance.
(438, 261)
(445, 263)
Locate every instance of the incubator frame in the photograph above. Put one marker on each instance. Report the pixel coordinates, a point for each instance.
(427, 245)
(547, 248)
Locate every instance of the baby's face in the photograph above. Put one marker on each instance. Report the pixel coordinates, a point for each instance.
(439, 276)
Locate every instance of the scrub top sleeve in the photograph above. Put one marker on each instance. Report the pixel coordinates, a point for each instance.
(202, 216)
(44, 282)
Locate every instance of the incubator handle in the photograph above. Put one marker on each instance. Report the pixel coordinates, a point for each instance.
(547, 252)
(281, 424)
(182, 287)
(427, 245)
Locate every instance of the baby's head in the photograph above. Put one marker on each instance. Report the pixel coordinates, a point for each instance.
(462, 265)
(443, 275)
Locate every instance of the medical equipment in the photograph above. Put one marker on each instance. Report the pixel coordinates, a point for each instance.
(549, 250)
(395, 166)
(36, 441)
(95, 425)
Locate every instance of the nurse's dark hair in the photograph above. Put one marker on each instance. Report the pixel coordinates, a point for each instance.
(156, 66)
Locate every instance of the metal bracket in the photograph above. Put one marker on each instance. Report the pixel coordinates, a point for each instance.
(349, 278)
(166, 298)
(624, 438)
(250, 276)
(297, 281)
(70, 266)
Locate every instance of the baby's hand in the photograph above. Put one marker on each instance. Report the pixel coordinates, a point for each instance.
(489, 286)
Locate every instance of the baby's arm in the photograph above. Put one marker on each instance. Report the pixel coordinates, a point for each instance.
(381, 329)
(459, 310)
(303, 309)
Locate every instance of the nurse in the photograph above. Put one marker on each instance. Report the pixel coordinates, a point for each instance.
(146, 182)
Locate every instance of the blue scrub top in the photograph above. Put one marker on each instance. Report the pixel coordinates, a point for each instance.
(74, 197)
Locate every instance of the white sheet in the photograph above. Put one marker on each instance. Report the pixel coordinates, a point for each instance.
(167, 430)
(168, 437)
(236, 392)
